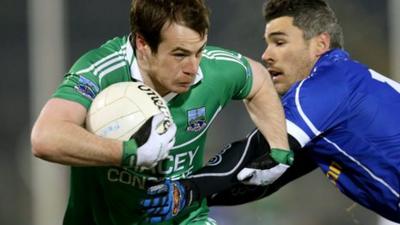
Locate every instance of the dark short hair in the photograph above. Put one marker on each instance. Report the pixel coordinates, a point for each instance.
(313, 17)
(149, 16)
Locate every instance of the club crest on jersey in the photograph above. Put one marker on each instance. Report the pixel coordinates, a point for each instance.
(87, 88)
(196, 119)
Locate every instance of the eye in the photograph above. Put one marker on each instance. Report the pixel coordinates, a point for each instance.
(179, 56)
(280, 42)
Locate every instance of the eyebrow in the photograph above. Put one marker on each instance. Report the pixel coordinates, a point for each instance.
(184, 50)
(277, 33)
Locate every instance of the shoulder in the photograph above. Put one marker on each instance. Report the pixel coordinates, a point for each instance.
(226, 72)
(110, 52)
(224, 58)
(337, 65)
(220, 63)
(94, 71)
(334, 71)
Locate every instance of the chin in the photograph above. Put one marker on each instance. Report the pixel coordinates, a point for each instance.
(179, 89)
(182, 90)
(280, 90)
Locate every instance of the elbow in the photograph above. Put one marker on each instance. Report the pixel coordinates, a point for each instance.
(40, 144)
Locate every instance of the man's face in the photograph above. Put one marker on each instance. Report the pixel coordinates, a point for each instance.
(289, 57)
(173, 68)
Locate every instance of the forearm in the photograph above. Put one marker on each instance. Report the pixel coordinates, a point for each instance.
(265, 108)
(67, 143)
(58, 136)
(267, 114)
(226, 189)
(222, 176)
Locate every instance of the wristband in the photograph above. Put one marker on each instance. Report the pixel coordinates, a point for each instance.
(129, 150)
(283, 156)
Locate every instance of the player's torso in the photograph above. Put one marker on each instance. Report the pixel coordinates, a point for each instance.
(193, 112)
(125, 187)
(356, 140)
(361, 154)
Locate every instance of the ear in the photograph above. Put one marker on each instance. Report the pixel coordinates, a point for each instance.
(323, 42)
(143, 50)
(140, 43)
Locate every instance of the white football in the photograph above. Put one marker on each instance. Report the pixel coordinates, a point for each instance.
(122, 108)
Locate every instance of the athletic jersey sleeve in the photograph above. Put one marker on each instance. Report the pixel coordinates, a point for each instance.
(314, 105)
(94, 71)
(227, 72)
(81, 88)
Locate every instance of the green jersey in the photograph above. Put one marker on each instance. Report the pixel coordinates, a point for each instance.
(111, 195)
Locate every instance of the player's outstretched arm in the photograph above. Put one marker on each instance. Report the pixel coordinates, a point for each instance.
(58, 135)
(242, 193)
(265, 108)
(221, 171)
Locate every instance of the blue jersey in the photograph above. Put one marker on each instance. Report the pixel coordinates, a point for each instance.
(349, 116)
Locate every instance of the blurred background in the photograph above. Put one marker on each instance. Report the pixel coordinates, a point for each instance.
(40, 39)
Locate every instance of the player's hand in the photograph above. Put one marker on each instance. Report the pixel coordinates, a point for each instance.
(267, 168)
(164, 201)
(154, 146)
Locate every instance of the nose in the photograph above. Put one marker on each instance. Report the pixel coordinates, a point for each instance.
(267, 56)
(192, 65)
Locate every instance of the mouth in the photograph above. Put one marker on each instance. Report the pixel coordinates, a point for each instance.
(275, 74)
(185, 84)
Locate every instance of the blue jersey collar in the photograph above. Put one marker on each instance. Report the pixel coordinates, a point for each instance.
(329, 57)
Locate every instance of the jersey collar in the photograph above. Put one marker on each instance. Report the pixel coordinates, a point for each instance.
(136, 75)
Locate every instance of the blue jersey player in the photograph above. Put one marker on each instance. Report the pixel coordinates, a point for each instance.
(341, 116)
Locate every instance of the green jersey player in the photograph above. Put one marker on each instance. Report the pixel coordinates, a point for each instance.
(167, 51)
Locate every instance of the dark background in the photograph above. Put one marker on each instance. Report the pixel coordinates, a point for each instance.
(237, 25)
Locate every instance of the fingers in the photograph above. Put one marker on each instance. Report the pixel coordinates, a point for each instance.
(159, 188)
(163, 126)
(261, 177)
(171, 131)
(245, 174)
(170, 136)
(157, 119)
(164, 201)
(157, 205)
(154, 204)
(157, 146)
(155, 219)
(171, 143)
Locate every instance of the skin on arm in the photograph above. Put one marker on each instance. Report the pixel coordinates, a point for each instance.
(58, 136)
(265, 108)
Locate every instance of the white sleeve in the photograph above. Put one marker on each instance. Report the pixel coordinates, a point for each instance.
(297, 133)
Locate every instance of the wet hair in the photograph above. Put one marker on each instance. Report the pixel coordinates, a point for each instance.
(148, 17)
(313, 17)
